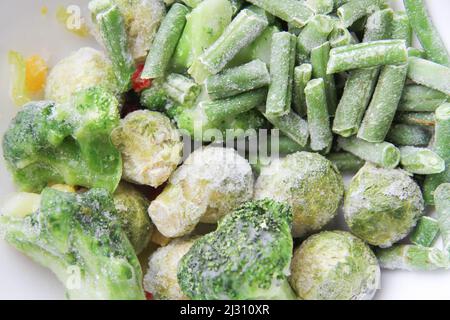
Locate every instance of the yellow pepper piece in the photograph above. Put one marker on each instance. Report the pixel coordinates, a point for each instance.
(36, 74)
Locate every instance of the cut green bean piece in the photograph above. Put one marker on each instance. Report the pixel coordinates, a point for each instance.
(366, 55)
(383, 154)
(346, 162)
(302, 75)
(242, 31)
(234, 81)
(288, 146)
(282, 66)
(379, 26)
(401, 28)
(426, 119)
(191, 3)
(314, 34)
(442, 201)
(340, 36)
(181, 89)
(385, 100)
(353, 10)
(321, 6)
(426, 31)
(204, 25)
(441, 147)
(165, 42)
(421, 161)
(319, 60)
(429, 74)
(426, 232)
(417, 98)
(406, 135)
(114, 35)
(293, 11)
(293, 126)
(318, 116)
(412, 258)
(414, 52)
(236, 5)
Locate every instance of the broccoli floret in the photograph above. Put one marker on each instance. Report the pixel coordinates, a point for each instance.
(248, 257)
(80, 239)
(66, 143)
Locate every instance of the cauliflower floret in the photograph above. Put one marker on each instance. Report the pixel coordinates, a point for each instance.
(81, 70)
(309, 183)
(210, 184)
(150, 145)
(161, 278)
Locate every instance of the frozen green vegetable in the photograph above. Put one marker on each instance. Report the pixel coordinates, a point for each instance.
(426, 232)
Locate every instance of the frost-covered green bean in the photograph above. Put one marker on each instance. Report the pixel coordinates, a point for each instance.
(321, 6)
(414, 52)
(407, 135)
(346, 162)
(418, 98)
(412, 258)
(282, 65)
(382, 205)
(381, 111)
(421, 161)
(234, 81)
(314, 34)
(425, 233)
(150, 146)
(181, 89)
(165, 42)
(295, 12)
(353, 10)
(293, 126)
(295, 180)
(401, 28)
(426, 119)
(334, 266)
(383, 154)
(366, 55)
(242, 31)
(442, 202)
(429, 74)
(318, 116)
(302, 75)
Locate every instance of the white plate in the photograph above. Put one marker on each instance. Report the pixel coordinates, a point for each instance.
(25, 29)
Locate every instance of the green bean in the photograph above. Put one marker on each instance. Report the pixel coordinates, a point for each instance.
(321, 6)
(353, 10)
(412, 258)
(181, 89)
(442, 201)
(405, 135)
(414, 52)
(361, 83)
(426, 32)
(242, 31)
(293, 11)
(425, 233)
(429, 74)
(346, 162)
(231, 82)
(401, 28)
(293, 126)
(426, 119)
(417, 98)
(165, 42)
(288, 146)
(383, 154)
(302, 74)
(314, 34)
(114, 35)
(340, 36)
(318, 116)
(319, 60)
(421, 161)
(366, 55)
(441, 146)
(382, 108)
(282, 73)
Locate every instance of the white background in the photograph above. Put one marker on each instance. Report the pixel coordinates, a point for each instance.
(23, 28)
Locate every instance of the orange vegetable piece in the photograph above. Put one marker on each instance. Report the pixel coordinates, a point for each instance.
(36, 74)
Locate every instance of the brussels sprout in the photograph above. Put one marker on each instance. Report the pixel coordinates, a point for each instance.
(132, 207)
(210, 184)
(81, 70)
(161, 278)
(150, 146)
(382, 205)
(309, 183)
(334, 266)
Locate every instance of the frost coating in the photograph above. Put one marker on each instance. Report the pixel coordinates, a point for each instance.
(382, 205)
(150, 146)
(309, 183)
(210, 184)
(81, 70)
(161, 278)
(334, 266)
